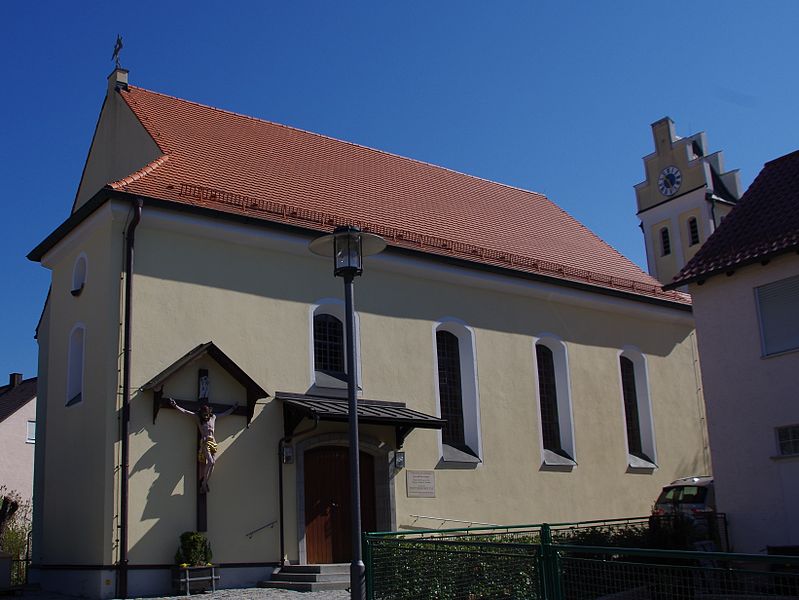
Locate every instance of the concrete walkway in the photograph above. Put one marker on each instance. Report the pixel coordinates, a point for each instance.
(233, 594)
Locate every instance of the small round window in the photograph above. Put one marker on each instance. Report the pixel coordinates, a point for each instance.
(79, 275)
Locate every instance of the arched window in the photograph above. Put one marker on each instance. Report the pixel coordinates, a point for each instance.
(79, 275)
(554, 402)
(637, 410)
(450, 393)
(328, 345)
(693, 231)
(665, 242)
(456, 385)
(75, 366)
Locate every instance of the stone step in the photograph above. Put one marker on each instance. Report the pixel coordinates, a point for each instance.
(302, 586)
(326, 569)
(283, 576)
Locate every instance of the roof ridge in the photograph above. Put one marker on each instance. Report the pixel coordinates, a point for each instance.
(335, 139)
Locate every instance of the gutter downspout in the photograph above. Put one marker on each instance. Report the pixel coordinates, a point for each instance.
(122, 566)
(280, 445)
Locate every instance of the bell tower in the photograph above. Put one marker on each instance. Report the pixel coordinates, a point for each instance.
(684, 197)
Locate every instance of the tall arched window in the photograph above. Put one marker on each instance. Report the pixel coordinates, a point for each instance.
(637, 410)
(665, 242)
(554, 402)
(450, 394)
(75, 365)
(79, 271)
(456, 385)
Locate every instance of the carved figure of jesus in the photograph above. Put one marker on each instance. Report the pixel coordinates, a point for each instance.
(206, 421)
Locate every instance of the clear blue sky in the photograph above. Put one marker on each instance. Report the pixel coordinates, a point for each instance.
(555, 97)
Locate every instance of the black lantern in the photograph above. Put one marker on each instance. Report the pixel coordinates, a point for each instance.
(347, 246)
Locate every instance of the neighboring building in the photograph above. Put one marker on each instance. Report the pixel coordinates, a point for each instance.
(745, 286)
(564, 377)
(17, 434)
(685, 195)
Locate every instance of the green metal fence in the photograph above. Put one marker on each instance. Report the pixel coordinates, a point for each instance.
(553, 562)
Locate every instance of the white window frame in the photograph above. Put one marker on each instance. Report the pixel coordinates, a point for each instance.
(80, 273)
(470, 396)
(30, 433)
(560, 358)
(336, 308)
(646, 423)
(791, 286)
(76, 365)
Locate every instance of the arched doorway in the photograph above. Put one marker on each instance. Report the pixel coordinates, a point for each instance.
(328, 521)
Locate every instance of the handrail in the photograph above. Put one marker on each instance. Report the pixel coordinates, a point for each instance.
(447, 520)
(254, 531)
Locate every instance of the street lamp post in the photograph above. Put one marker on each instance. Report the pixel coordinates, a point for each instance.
(348, 246)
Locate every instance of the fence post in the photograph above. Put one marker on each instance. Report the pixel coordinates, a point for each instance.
(370, 567)
(550, 571)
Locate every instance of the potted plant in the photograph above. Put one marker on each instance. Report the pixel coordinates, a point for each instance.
(194, 571)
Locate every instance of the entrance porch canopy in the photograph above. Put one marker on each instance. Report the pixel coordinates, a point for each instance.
(297, 407)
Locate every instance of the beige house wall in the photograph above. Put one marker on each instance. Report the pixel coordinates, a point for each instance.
(748, 396)
(16, 453)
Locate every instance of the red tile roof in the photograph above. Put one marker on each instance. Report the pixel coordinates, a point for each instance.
(242, 165)
(764, 223)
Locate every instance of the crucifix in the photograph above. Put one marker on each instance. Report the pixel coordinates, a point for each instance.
(206, 444)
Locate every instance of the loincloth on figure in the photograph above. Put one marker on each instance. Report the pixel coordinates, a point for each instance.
(208, 445)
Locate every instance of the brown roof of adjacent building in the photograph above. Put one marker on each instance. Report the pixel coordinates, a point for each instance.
(230, 163)
(764, 224)
(16, 394)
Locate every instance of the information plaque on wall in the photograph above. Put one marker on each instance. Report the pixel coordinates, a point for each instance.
(421, 484)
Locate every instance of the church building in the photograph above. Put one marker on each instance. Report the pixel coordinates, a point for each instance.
(512, 367)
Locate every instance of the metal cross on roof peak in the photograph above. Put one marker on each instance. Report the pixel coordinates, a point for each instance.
(117, 50)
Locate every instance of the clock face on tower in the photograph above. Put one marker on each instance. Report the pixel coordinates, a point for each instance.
(669, 181)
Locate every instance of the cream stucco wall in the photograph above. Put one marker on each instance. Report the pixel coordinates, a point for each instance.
(253, 302)
(78, 508)
(747, 396)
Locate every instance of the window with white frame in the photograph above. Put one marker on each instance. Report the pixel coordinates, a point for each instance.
(456, 385)
(554, 402)
(779, 319)
(328, 344)
(79, 271)
(637, 410)
(75, 365)
(30, 437)
(788, 440)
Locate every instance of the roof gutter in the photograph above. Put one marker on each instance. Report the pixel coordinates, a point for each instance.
(122, 566)
(109, 193)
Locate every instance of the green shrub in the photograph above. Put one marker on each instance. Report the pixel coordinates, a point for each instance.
(194, 550)
(15, 532)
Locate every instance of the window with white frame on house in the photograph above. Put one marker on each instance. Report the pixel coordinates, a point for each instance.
(79, 275)
(554, 403)
(779, 320)
(457, 393)
(637, 411)
(31, 432)
(75, 365)
(788, 440)
(328, 341)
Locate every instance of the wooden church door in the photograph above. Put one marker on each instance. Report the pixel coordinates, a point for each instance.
(327, 503)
